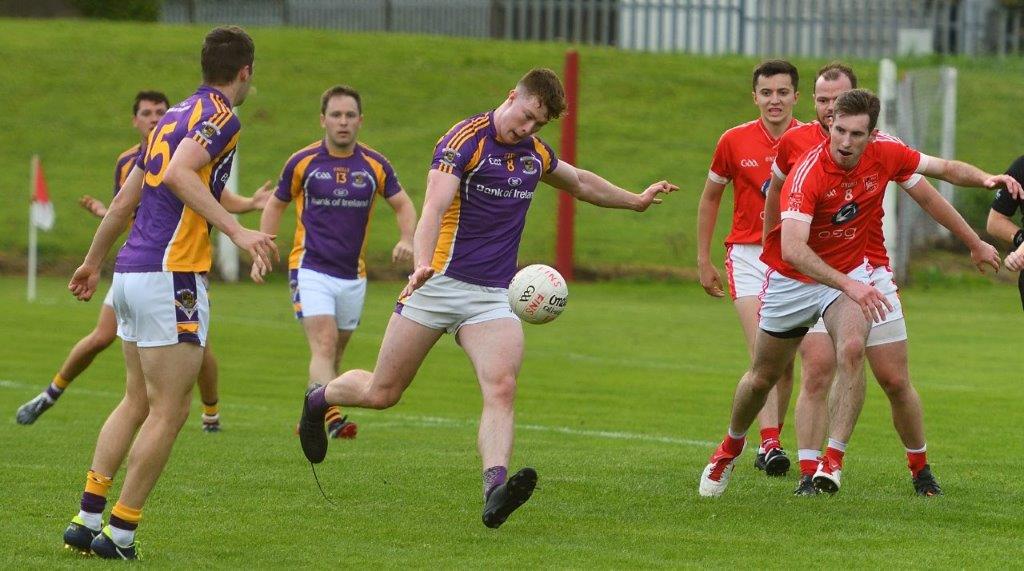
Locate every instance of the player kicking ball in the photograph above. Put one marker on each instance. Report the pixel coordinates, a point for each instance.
(830, 202)
(484, 173)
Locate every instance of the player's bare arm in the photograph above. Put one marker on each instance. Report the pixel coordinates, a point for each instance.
(963, 174)
(237, 204)
(441, 189)
(1001, 226)
(182, 178)
(93, 205)
(707, 215)
(405, 217)
(771, 205)
(982, 253)
(270, 221)
(796, 252)
(589, 187)
(115, 221)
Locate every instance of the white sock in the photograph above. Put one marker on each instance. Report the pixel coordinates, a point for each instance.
(122, 537)
(93, 521)
(736, 435)
(840, 446)
(806, 454)
(918, 451)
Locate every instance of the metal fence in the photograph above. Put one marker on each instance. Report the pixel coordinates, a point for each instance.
(812, 28)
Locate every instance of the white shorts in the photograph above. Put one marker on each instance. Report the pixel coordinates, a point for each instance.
(447, 303)
(315, 293)
(745, 270)
(161, 308)
(788, 304)
(895, 327)
(109, 298)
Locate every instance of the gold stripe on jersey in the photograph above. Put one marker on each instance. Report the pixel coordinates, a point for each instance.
(122, 175)
(477, 155)
(223, 113)
(446, 236)
(129, 151)
(197, 114)
(189, 248)
(298, 175)
(545, 156)
(460, 138)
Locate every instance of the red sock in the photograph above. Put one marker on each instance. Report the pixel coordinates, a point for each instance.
(916, 461)
(770, 438)
(808, 467)
(732, 446)
(834, 457)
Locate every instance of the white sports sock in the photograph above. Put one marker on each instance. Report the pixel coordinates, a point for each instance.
(840, 446)
(122, 537)
(918, 451)
(737, 436)
(93, 521)
(806, 454)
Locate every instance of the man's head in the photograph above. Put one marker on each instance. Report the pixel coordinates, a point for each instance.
(833, 79)
(856, 114)
(537, 99)
(341, 116)
(147, 110)
(775, 90)
(227, 59)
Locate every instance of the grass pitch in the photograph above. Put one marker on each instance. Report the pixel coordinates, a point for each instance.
(621, 401)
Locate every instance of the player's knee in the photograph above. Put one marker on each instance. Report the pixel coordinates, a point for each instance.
(894, 385)
(761, 380)
(101, 339)
(850, 352)
(500, 389)
(381, 399)
(170, 411)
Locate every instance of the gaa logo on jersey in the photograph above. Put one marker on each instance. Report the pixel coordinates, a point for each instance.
(359, 179)
(185, 300)
(529, 164)
(870, 183)
(749, 163)
(322, 175)
(448, 156)
(847, 213)
(208, 130)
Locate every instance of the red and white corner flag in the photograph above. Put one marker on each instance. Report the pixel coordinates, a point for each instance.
(41, 213)
(40, 216)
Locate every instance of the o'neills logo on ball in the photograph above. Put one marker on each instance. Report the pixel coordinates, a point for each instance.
(557, 301)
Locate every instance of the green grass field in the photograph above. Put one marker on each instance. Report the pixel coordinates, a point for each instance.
(620, 403)
(68, 87)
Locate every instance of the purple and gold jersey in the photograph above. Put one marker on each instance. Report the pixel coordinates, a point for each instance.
(480, 231)
(167, 235)
(125, 164)
(334, 197)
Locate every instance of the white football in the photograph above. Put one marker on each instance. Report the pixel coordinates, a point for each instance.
(538, 294)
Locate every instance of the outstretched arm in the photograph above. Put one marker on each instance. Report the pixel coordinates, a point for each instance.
(707, 214)
(237, 204)
(405, 216)
(182, 178)
(963, 174)
(589, 187)
(270, 221)
(116, 219)
(796, 252)
(942, 211)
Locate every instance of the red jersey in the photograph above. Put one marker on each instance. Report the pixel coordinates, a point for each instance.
(843, 207)
(793, 144)
(744, 155)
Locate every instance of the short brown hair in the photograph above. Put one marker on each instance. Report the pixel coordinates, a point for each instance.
(832, 71)
(151, 96)
(337, 91)
(776, 67)
(226, 50)
(859, 102)
(544, 84)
